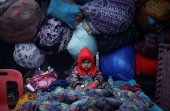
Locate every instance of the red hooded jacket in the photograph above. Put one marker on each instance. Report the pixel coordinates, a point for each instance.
(86, 53)
(78, 73)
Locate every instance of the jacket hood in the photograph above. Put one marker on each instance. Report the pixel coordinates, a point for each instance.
(86, 53)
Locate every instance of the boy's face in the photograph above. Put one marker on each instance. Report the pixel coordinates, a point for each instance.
(86, 65)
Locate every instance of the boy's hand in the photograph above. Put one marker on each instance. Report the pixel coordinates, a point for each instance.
(77, 87)
(96, 82)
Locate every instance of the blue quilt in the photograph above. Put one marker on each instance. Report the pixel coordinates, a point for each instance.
(107, 99)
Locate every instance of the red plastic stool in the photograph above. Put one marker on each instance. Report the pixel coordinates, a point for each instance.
(12, 75)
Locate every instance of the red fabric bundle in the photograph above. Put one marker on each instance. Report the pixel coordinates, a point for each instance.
(145, 66)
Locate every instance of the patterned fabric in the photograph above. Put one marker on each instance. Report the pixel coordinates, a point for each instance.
(27, 96)
(53, 37)
(76, 78)
(108, 43)
(142, 18)
(134, 88)
(149, 47)
(146, 67)
(124, 85)
(19, 20)
(28, 55)
(109, 16)
(119, 83)
(88, 99)
(41, 81)
(158, 9)
(162, 97)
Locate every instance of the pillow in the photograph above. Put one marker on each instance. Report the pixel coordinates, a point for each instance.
(81, 39)
(148, 45)
(120, 64)
(19, 20)
(108, 43)
(109, 16)
(146, 67)
(28, 55)
(53, 37)
(65, 10)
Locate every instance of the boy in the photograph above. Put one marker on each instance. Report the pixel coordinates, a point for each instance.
(85, 67)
